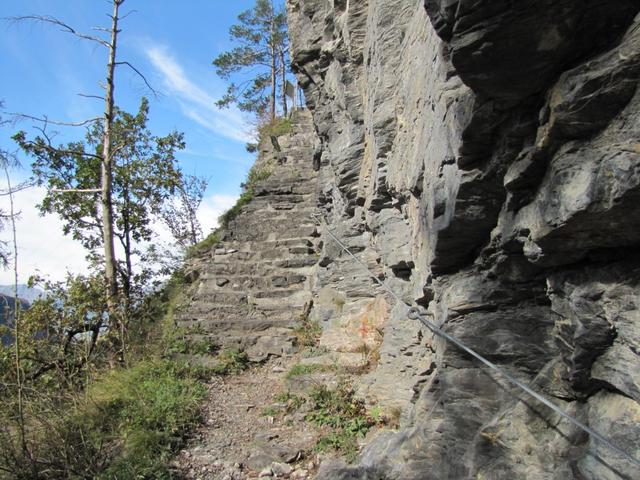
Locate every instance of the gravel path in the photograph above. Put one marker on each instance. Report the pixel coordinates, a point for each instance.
(245, 430)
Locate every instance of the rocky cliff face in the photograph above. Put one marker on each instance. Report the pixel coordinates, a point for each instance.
(483, 157)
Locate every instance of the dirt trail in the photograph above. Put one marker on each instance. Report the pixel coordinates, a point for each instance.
(246, 429)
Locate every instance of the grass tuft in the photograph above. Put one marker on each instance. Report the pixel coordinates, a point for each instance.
(232, 361)
(301, 369)
(205, 245)
(256, 174)
(344, 415)
(275, 128)
(148, 410)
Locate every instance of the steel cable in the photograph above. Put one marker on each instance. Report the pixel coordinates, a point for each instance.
(414, 314)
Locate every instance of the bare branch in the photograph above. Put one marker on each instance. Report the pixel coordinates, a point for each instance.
(17, 188)
(76, 190)
(90, 96)
(155, 93)
(45, 120)
(63, 26)
(122, 17)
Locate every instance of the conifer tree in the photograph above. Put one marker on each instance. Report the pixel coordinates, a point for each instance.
(260, 55)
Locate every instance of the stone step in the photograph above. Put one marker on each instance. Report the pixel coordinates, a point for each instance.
(253, 246)
(294, 266)
(284, 280)
(294, 301)
(261, 260)
(215, 327)
(204, 308)
(243, 297)
(277, 253)
(203, 311)
(279, 223)
(288, 198)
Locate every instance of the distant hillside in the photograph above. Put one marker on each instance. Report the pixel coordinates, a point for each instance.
(6, 313)
(24, 291)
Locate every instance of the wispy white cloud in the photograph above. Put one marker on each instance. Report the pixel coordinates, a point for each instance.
(212, 207)
(42, 247)
(195, 102)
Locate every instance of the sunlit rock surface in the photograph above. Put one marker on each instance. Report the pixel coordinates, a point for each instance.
(483, 157)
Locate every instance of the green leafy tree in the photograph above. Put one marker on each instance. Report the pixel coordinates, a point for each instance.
(145, 176)
(61, 329)
(106, 38)
(260, 55)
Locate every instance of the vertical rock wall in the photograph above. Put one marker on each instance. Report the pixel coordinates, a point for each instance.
(483, 157)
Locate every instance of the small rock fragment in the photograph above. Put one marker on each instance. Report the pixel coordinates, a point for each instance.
(281, 469)
(265, 473)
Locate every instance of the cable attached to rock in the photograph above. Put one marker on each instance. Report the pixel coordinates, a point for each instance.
(413, 313)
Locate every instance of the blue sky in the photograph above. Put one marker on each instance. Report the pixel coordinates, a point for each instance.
(172, 43)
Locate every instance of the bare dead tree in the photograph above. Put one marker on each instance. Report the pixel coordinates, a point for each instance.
(108, 149)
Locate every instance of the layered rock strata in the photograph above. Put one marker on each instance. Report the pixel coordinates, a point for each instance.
(482, 157)
(250, 290)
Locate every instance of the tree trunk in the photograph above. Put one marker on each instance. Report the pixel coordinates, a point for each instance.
(284, 83)
(274, 61)
(128, 275)
(272, 102)
(106, 176)
(16, 321)
(126, 227)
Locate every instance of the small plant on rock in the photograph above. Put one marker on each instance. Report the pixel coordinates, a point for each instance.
(232, 361)
(292, 402)
(301, 369)
(308, 331)
(344, 416)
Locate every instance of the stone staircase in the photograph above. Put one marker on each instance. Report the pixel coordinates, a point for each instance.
(252, 288)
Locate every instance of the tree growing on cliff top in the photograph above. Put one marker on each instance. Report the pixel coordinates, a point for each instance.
(260, 59)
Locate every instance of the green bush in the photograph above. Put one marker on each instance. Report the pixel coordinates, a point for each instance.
(233, 212)
(293, 402)
(177, 341)
(209, 241)
(339, 441)
(125, 425)
(146, 410)
(343, 414)
(275, 128)
(302, 369)
(308, 333)
(231, 361)
(255, 175)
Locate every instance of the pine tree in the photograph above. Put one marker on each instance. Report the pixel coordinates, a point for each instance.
(260, 56)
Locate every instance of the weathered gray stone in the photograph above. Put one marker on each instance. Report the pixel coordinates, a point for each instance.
(253, 293)
(482, 158)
